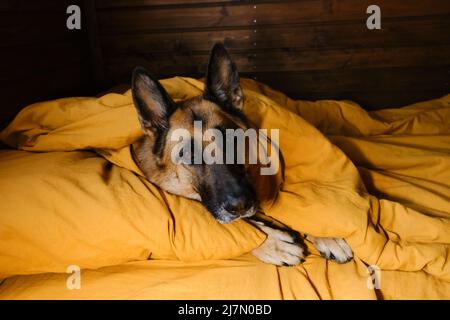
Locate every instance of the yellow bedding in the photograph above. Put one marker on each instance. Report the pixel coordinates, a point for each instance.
(73, 196)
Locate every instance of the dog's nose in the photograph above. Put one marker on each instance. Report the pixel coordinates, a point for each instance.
(238, 204)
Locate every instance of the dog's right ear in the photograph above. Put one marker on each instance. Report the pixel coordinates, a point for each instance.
(153, 104)
(222, 79)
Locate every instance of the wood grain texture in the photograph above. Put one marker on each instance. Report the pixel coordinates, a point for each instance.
(66, 81)
(95, 49)
(285, 61)
(371, 87)
(421, 31)
(104, 4)
(38, 6)
(41, 58)
(308, 48)
(145, 19)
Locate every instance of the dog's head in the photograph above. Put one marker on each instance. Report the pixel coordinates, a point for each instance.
(224, 189)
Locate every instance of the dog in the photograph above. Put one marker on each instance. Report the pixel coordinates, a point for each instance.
(226, 190)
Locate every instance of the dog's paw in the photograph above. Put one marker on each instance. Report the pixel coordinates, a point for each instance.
(333, 249)
(281, 248)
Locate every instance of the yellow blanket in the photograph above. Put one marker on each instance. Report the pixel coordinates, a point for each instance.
(381, 180)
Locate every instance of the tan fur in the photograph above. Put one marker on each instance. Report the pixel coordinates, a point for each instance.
(163, 172)
(280, 247)
(159, 117)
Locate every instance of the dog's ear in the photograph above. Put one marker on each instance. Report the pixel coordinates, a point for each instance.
(222, 79)
(153, 104)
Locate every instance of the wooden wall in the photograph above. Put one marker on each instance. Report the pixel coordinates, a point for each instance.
(40, 58)
(309, 49)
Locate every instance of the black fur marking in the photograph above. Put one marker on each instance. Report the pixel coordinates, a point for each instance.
(151, 100)
(222, 79)
(195, 117)
(160, 141)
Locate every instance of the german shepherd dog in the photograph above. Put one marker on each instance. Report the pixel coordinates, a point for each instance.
(224, 189)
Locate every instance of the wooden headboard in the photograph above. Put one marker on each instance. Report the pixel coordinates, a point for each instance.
(309, 49)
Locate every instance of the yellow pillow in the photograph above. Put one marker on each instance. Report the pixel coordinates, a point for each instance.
(76, 208)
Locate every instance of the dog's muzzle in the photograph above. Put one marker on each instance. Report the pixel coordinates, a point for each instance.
(224, 216)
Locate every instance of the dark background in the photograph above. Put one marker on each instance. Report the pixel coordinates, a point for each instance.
(309, 49)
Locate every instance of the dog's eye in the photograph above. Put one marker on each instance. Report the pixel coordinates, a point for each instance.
(187, 153)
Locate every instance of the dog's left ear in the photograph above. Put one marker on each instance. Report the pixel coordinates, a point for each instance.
(153, 104)
(222, 79)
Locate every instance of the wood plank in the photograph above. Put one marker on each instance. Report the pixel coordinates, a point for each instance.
(280, 60)
(367, 79)
(374, 99)
(25, 6)
(19, 29)
(416, 32)
(61, 82)
(333, 82)
(95, 50)
(232, 15)
(23, 61)
(372, 88)
(108, 4)
(41, 58)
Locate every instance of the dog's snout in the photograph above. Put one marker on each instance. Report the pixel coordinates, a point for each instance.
(242, 204)
(237, 204)
(230, 196)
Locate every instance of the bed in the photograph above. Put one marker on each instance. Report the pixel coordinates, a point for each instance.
(79, 221)
(365, 131)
